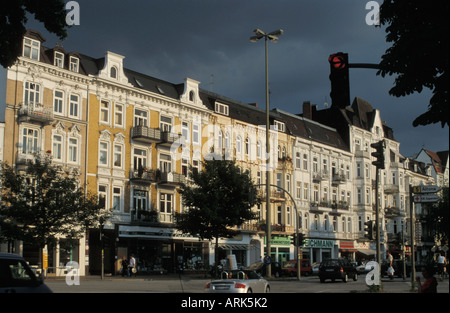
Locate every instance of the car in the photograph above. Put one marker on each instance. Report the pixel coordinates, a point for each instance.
(16, 276)
(337, 269)
(242, 281)
(261, 268)
(290, 268)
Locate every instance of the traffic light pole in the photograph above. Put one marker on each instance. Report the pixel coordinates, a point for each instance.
(377, 221)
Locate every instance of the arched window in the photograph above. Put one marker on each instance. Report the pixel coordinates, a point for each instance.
(191, 96)
(113, 73)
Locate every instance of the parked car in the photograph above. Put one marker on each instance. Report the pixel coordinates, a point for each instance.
(337, 269)
(243, 281)
(261, 268)
(290, 268)
(16, 276)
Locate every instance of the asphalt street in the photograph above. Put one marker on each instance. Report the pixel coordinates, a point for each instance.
(187, 284)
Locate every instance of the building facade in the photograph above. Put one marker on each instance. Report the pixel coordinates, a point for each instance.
(131, 139)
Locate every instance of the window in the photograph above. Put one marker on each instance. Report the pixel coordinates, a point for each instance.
(165, 163)
(247, 146)
(117, 199)
(113, 72)
(185, 131)
(298, 160)
(258, 149)
(288, 182)
(104, 111)
(305, 162)
(139, 158)
(196, 134)
(117, 156)
(31, 48)
(184, 167)
(227, 140)
(58, 102)
(103, 196)
(29, 141)
(220, 141)
(32, 94)
(74, 64)
(140, 117)
(57, 148)
(59, 59)
(222, 109)
(279, 215)
(73, 106)
(139, 200)
(165, 207)
(165, 124)
(238, 145)
(315, 165)
(305, 191)
(279, 126)
(73, 150)
(191, 96)
(359, 194)
(118, 115)
(103, 153)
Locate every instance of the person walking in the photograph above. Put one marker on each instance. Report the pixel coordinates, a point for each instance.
(132, 266)
(124, 264)
(442, 262)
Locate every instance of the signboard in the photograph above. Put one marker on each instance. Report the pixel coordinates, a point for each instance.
(232, 261)
(426, 198)
(319, 243)
(426, 189)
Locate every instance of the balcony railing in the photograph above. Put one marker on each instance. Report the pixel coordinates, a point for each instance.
(146, 134)
(31, 111)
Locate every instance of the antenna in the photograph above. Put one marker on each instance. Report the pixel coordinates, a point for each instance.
(211, 83)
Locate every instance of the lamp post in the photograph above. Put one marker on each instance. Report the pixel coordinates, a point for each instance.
(273, 36)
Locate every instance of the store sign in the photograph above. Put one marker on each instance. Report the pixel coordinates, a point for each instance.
(319, 243)
(279, 241)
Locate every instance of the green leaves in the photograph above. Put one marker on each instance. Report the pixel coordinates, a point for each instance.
(220, 197)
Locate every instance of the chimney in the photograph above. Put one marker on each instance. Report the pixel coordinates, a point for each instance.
(254, 104)
(307, 110)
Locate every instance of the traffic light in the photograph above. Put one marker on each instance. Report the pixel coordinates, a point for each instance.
(378, 154)
(339, 77)
(368, 230)
(301, 240)
(294, 239)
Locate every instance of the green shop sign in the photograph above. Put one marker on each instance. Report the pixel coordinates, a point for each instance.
(319, 243)
(279, 241)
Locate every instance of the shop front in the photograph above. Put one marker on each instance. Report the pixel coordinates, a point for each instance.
(320, 249)
(281, 249)
(245, 249)
(161, 250)
(347, 249)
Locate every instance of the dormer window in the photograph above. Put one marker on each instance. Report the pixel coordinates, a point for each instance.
(74, 64)
(191, 96)
(113, 72)
(31, 48)
(59, 59)
(279, 126)
(222, 109)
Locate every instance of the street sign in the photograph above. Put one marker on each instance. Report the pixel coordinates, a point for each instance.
(426, 189)
(426, 198)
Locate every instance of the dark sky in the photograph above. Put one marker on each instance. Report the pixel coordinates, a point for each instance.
(208, 40)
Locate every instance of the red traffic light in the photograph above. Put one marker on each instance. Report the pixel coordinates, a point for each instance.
(338, 61)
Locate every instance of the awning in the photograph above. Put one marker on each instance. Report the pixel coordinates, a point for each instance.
(235, 247)
(367, 251)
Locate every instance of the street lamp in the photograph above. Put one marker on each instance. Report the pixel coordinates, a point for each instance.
(273, 36)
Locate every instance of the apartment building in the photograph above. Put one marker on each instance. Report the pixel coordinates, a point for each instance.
(131, 138)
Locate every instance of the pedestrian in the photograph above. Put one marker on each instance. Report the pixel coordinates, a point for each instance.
(124, 269)
(442, 262)
(390, 270)
(132, 266)
(430, 283)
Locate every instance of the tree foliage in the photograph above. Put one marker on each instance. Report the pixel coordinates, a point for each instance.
(43, 203)
(13, 17)
(219, 198)
(418, 57)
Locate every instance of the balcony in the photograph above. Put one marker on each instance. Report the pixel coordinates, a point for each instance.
(146, 134)
(144, 176)
(391, 189)
(35, 112)
(172, 179)
(167, 138)
(339, 178)
(319, 176)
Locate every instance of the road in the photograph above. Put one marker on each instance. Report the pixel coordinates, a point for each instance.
(193, 285)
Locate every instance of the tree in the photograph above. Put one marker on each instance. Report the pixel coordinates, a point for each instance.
(219, 198)
(419, 31)
(44, 204)
(13, 19)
